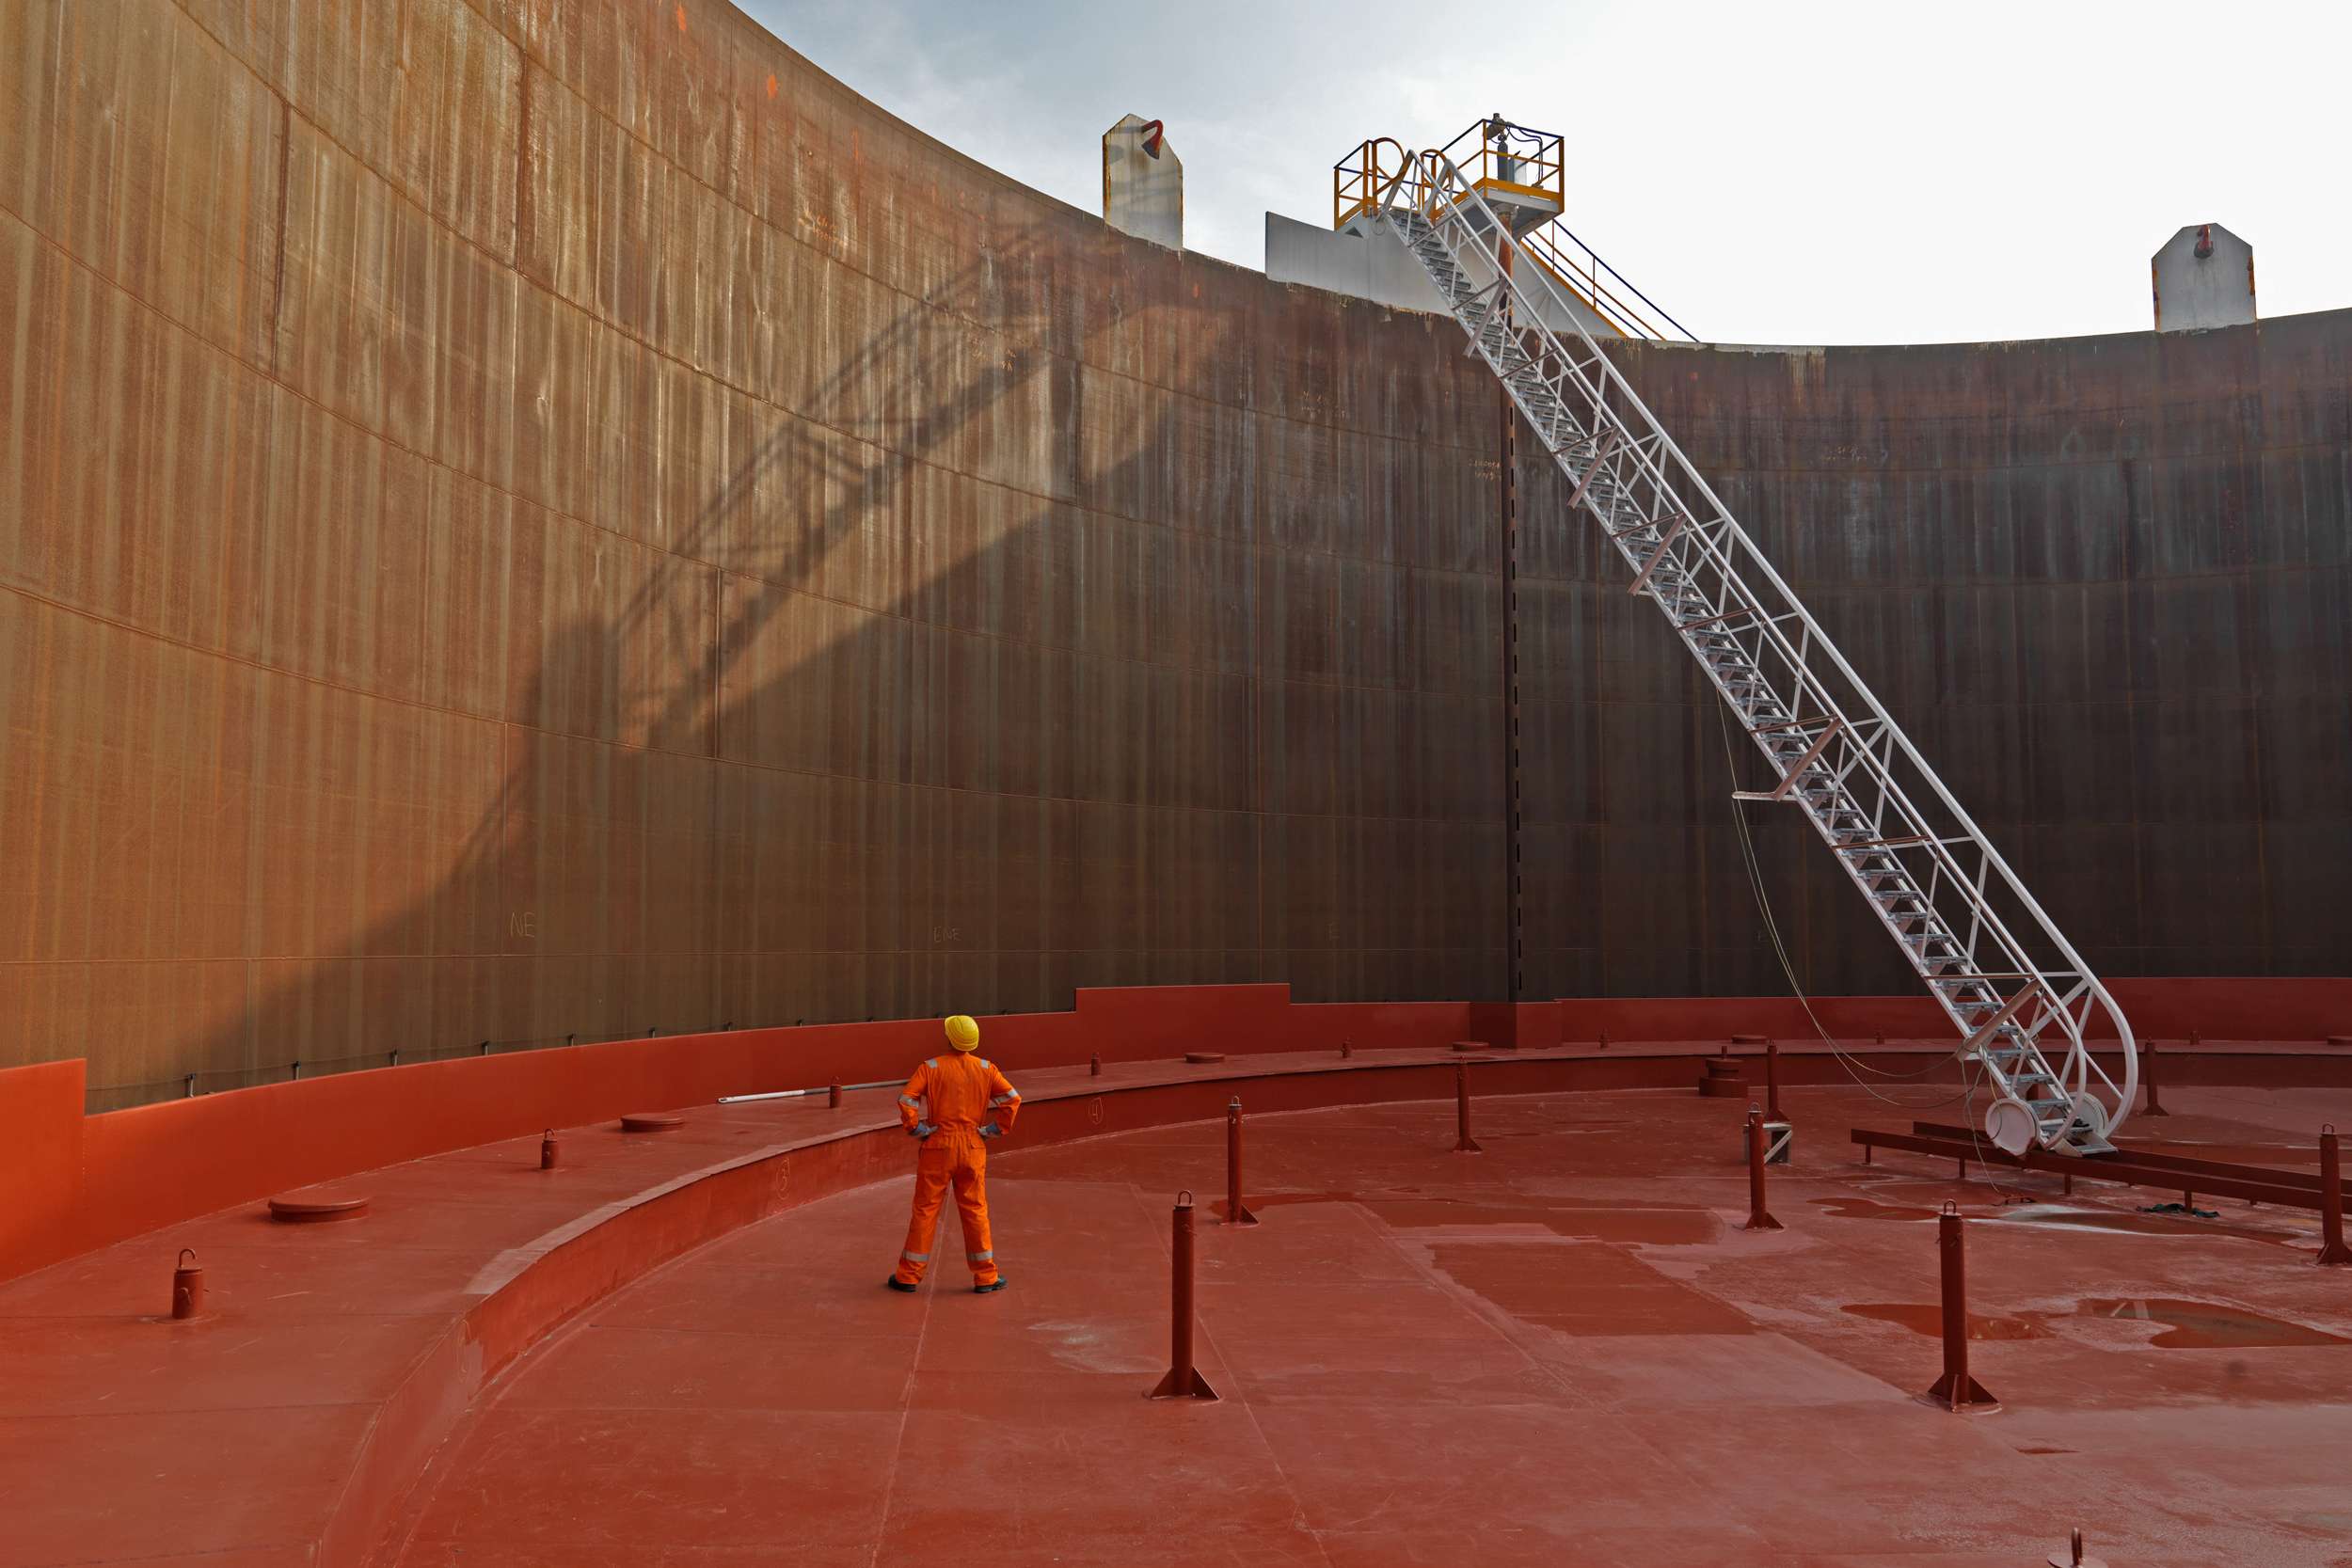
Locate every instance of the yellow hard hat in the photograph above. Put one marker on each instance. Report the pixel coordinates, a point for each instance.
(963, 1033)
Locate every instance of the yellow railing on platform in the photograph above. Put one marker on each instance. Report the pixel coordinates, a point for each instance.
(1489, 154)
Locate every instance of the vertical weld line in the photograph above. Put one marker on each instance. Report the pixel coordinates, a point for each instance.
(522, 158)
(277, 281)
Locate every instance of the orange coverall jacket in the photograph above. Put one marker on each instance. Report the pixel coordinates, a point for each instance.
(965, 1100)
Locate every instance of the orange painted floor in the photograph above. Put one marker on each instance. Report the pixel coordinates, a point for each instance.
(1562, 1350)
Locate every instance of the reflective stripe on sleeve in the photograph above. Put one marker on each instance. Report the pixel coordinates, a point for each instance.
(1006, 1099)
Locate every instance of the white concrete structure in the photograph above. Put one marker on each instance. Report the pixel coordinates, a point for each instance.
(1360, 260)
(1143, 183)
(2203, 277)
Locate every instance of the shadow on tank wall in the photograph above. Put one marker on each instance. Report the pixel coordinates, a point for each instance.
(1081, 749)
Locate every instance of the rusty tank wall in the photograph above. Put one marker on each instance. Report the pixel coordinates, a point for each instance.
(523, 520)
(2105, 585)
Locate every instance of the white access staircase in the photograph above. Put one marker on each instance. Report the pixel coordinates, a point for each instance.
(2019, 994)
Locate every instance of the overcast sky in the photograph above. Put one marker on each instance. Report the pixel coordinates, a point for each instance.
(1793, 173)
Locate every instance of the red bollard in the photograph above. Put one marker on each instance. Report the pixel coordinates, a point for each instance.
(1184, 1380)
(1463, 1141)
(1094, 1066)
(2332, 1248)
(1771, 1079)
(1234, 1213)
(2148, 1081)
(546, 1149)
(187, 1286)
(1347, 1049)
(832, 1096)
(1956, 1390)
(1760, 1217)
(1604, 1039)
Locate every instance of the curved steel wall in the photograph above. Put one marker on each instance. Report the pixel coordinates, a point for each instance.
(531, 519)
(522, 520)
(2104, 583)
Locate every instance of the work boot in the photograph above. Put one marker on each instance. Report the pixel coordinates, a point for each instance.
(897, 1284)
(993, 1285)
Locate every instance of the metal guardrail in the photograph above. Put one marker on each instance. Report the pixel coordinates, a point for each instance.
(1522, 160)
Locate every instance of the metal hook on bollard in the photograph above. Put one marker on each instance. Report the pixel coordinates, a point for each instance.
(1235, 1211)
(187, 1286)
(1760, 1217)
(2332, 1252)
(1956, 1390)
(1184, 1380)
(1463, 1141)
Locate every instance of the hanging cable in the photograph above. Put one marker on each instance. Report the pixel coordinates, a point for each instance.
(1771, 929)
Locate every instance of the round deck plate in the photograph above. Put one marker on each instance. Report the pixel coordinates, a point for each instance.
(1203, 1056)
(652, 1121)
(315, 1205)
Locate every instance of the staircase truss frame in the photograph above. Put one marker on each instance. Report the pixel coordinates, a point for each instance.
(2019, 996)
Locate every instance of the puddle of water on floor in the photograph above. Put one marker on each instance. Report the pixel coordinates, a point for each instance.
(1926, 1316)
(1871, 1208)
(2205, 1325)
(2136, 1224)
(1601, 1219)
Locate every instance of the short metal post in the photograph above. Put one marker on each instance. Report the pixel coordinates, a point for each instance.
(2148, 1078)
(2073, 1557)
(832, 1096)
(1184, 1380)
(1235, 1211)
(484, 1049)
(1347, 1049)
(1094, 1066)
(1604, 1039)
(546, 1149)
(1463, 1141)
(294, 1071)
(2332, 1248)
(1956, 1390)
(1771, 1079)
(187, 1286)
(191, 1094)
(1760, 1217)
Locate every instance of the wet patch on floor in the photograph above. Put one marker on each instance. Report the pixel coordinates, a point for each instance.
(1600, 1220)
(1871, 1208)
(2134, 1224)
(2205, 1325)
(1927, 1317)
(1583, 1289)
(1579, 1222)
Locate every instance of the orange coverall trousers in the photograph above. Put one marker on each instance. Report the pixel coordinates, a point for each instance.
(958, 1095)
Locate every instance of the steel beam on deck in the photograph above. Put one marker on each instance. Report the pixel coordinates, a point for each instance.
(2180, 1163)
(2122, 1169)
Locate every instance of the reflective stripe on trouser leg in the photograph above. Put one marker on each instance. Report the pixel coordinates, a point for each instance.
(972, 1208)
(931, 1189)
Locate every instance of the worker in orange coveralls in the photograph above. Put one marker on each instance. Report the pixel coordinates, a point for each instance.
(954, 1104)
